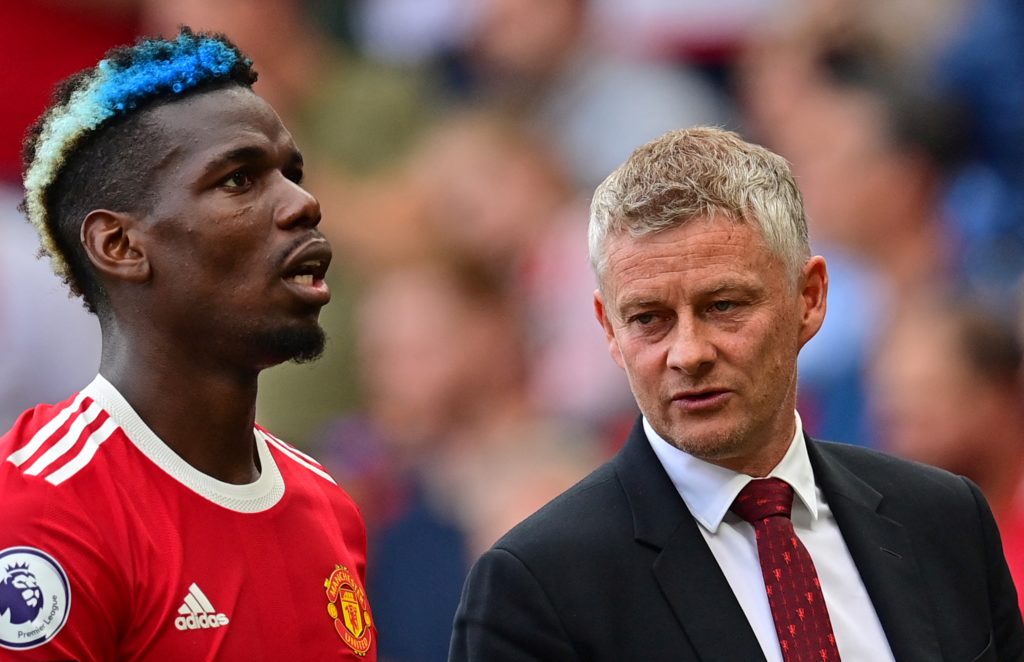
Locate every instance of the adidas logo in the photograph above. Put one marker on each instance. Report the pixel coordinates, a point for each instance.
(197, 613)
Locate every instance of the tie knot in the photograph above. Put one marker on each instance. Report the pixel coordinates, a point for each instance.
(764, 498)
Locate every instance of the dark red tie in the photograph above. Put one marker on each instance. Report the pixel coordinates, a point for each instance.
(794, 593)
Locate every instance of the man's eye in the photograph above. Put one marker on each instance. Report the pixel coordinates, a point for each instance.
(238, 179)
(722, 306)
(644, 319)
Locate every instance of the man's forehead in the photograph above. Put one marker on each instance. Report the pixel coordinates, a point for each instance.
(216, 111)
(221, 124)
(698, 239)
(700, 259)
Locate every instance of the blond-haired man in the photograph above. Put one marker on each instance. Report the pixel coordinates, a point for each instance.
(721, 531)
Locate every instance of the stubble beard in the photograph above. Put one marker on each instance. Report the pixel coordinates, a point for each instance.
(713, 447)
(296, 344)
(745, 445)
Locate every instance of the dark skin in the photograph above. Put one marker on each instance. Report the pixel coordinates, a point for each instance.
(221, 278)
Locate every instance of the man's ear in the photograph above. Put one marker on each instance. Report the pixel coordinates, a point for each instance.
(609, 330)
(115, 246)
(813, 297)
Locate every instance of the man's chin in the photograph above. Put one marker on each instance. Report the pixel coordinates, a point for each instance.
(712, 445)
(296, 344)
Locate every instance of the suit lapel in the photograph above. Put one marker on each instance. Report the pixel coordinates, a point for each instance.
(883, 555)
(685, 569)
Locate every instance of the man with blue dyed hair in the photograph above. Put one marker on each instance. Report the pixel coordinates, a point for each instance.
(148, 516)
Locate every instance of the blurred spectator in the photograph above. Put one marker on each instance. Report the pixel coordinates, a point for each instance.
(449, 444)
(492, 191)
(537, 58)
(872, 152)
(946, 390)
(984, 68)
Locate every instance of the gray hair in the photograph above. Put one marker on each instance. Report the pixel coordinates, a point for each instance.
(700, 173)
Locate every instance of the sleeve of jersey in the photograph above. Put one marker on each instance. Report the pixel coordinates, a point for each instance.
(359, 539)
(61, 597)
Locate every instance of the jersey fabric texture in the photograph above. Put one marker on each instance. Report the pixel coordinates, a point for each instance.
(114, 548)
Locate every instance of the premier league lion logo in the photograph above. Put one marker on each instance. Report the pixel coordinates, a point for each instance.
(35, 598)
(21, 599)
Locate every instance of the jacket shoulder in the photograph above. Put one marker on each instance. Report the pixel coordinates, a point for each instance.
(579, 517)
(906, 486)
(881, 469)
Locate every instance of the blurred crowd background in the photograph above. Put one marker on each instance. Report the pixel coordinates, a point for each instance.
(454, 145)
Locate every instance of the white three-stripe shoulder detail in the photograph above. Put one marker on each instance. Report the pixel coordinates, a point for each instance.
(65, 443)
(21, 455)
(92, 444)
(296, 455)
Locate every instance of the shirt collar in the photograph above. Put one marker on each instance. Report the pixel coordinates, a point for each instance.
(709, 490)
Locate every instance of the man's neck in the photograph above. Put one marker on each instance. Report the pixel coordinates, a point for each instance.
(205, 416)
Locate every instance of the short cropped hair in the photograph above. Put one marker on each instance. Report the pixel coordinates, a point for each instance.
(700, 173)
(94, 149)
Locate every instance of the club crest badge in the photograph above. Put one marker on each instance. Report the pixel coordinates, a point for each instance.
(35, 598)
(348, 608)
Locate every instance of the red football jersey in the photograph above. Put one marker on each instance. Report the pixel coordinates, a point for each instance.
(114, 548)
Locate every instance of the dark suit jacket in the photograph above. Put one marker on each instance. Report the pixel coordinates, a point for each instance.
(616, 569)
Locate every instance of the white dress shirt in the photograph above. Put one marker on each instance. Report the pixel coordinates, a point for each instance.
(709, 490)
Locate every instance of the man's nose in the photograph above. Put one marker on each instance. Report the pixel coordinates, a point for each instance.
(296, 206)
(691, 349)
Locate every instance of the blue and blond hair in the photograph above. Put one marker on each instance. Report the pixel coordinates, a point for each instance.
(91, 104)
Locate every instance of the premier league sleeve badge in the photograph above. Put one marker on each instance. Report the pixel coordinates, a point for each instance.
(35, 598)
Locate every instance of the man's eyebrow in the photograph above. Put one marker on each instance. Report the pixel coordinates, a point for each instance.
(247, 154)
(635, 303)
(742, 287)
(731, 287)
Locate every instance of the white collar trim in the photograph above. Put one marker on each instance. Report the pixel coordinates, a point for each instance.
(260, 495)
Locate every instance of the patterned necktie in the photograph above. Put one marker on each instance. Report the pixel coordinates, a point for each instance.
(794, 593)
